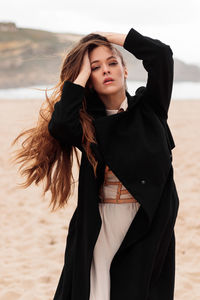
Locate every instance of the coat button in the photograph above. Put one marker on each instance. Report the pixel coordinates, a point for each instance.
(143, 181)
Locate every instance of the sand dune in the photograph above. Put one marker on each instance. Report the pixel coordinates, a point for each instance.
(33, 239)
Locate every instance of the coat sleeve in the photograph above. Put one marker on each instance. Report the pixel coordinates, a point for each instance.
(157, 59)
(65, 123)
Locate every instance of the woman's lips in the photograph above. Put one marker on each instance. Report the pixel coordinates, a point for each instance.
(108, 82)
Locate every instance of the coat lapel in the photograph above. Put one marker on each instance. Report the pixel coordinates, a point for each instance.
(97, 109)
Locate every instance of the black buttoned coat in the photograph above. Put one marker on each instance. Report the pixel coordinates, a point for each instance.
(136, 145)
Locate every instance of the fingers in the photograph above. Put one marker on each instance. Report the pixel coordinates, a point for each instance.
(85, 67)
(100, 33)
(107, 35)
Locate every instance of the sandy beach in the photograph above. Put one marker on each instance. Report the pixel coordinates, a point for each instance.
(33, 239)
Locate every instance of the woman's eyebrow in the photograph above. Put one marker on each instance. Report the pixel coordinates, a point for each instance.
(106, 59)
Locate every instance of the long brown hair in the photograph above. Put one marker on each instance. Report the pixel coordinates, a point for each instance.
(41, 156)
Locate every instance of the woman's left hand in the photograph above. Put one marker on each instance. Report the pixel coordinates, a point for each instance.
(113, 37)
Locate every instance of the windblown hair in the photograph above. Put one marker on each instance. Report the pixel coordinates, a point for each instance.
(41, 156)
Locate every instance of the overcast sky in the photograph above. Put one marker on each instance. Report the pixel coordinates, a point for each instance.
(175, 22)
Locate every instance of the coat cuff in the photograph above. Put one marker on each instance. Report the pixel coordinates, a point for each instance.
(75, 88)
(129, 40)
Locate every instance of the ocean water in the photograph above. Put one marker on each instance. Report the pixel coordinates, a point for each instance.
(181, 91)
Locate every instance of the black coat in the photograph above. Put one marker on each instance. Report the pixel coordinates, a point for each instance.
(136, 145)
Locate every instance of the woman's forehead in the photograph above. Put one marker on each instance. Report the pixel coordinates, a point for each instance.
(102, 53)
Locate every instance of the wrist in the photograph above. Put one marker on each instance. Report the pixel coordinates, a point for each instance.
(116, 38)
(82, 79)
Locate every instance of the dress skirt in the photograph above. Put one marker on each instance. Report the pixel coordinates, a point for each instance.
(116, 219)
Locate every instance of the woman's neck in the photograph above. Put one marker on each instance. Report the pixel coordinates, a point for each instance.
(113, 101)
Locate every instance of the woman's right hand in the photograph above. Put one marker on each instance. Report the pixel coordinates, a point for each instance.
(85, 71)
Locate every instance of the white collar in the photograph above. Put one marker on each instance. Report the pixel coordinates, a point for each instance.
(123, 105)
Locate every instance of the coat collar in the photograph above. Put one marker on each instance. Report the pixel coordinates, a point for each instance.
(124, 106)
(97, 109)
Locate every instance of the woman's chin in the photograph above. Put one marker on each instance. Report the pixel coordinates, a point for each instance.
(109, 90)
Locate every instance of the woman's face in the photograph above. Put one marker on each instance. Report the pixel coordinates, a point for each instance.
(104, 63)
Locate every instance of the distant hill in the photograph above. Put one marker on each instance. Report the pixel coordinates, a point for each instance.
(34, 57)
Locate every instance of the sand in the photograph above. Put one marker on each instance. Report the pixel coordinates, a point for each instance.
(33, 239)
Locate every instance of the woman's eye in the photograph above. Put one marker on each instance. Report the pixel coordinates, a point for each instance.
(112, 63)
(94, 68)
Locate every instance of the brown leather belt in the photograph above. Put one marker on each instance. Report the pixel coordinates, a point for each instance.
(120, 191)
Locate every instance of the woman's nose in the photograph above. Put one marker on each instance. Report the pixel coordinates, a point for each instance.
(106, 69)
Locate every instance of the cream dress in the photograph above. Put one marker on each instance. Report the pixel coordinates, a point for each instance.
(116, 219)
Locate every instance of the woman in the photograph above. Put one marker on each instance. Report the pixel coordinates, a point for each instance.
(120, 242)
